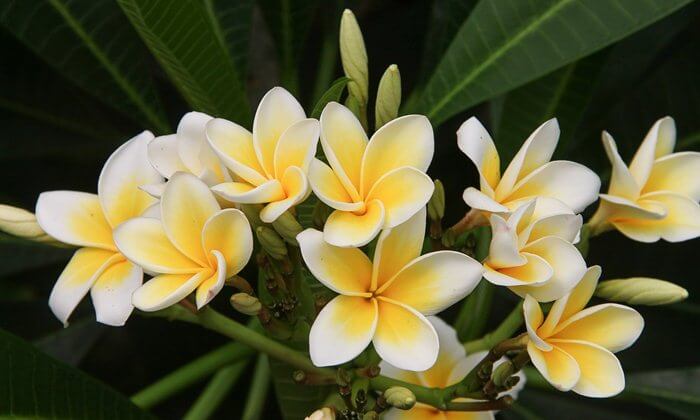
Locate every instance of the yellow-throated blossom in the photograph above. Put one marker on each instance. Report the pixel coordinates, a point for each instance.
(194, 245)
(375, 184)
(186, 151)
(573, 347)
(530, 174)
(271, 163)
(384, 302)
(533, 254)
(88, 220)
(656, 197)
(451, 367)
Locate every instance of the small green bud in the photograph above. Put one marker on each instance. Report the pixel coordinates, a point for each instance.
(388, 97)
(436, 205)
(400, 397)
(354, 58)
(246, 304)
(502, 372)
(22, 223)
(641, 291)
(288, 227)
(271, 242)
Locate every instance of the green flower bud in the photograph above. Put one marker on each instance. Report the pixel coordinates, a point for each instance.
(400, 397)
(354, 58)
(22, 223)
(641, 291)
(288, 227)
(388, 97)
(246, 304)
(271, 242)
(436, 205)
(502, 373)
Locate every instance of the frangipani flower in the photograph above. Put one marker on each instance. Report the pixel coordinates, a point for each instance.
(194, 245)
(384, 302)
(529, 175)
(452, 366)
(272, 162)
(186, 151)
(87, 221)
(534, 255)
(656, 197)
(372, 185)
(573, 347)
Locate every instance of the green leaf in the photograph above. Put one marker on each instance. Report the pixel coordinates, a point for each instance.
(36, 386)
(90, 44)
(506, 43)
(676, 391)
(189, 42)
(296, 401)
(333, 94)
(18, 255)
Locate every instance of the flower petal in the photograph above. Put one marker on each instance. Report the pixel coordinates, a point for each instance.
(404, 337)
(480, 201)
(111, 293)
(228, 232)
(125, 171)
(244, 193)
(344, 142)
(186, 205)
(571, 303)
(403, 192)
(404, 141)
(476, 143)
(678, 173)
(503, 249)
(296, 190)
(233, 144)
(682, 221)
(191, 138)
(211, 286)
(451, 353)
(601, 372)
(143, 241)
(155, 191)
(278, 110)
(342, 330)
(622, 183)
(348, 229)
(556, 366)
(80, 274)
(343, 270)
(564, 226)
(74, 218)
(536, 271)
(658, 142)
(163, 155)
(532, 314)
(433, 282)
(419, 412)
(329, 189)
(167, 289)
(297, 146)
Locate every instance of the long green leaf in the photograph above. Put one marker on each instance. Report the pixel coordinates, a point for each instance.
(90, 44)
(33, 385)
(676, 391)
(332, 94)
(506, 43)
(188, 40)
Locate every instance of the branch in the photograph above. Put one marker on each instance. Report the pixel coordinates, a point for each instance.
(506, 329)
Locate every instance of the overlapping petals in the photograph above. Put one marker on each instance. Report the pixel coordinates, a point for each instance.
(270, 163)
(194, 246)
(87, 221)
(385, 301)
(656, 197)
(372, 184)
(573, 347)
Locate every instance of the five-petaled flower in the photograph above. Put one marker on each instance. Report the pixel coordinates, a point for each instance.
(656, 197)
(88, 220)
(194, 245)
(372, 185)
(385, 302)
(573, 347)
(271, 163)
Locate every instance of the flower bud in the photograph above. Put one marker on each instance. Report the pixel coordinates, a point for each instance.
(271, 242)
(641, 291)
(288, 227)
(354, 58)
(388, 97)
(502, 373)
(246, 304)
(400, 397)
(325, 413)
(21, 223)
(436, 205)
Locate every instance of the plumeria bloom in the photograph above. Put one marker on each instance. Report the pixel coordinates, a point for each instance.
(87, 221)
(530, 174)
(384, 302)
(195, 245)
(451, 367)
(656, 197)
(272, 162)
(573, 347)
(534, 254)
(186, 151)
(372, 185)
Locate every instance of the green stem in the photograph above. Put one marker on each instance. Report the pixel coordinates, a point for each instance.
(216, 390)
(258, 390)
(507, 328)
(473, 314)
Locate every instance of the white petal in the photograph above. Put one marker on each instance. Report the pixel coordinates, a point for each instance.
(111, 293)
(228, 232)
(329, 189)
(233, 144)
(622, 182)
(244, 193)
(533, 317)
(677, 173)
(613, 326)
(166, 290)
(601, 372)
(480, 201)
(191, 138)
(402, 191)
(503, 250)
(163, 155)
(573, 302)
(476, 143)
(682, 221)
(658, 142)
(297, 146)
(154, 190)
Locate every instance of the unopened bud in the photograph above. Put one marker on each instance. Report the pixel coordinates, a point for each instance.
(271, 242)
(246, 304)
(436, 205)
(388, 97)
(288, 227)
(400, 397)
(641, 291)
(354, 58)
(502, 372)
(21, 223)
(325, 413)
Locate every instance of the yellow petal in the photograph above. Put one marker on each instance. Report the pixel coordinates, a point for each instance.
(535, 271)
(532, 314)
(451, 353)
(613, 208)
(476, 143)
(343, 328)
(233, 144)
(601, 373)
(167, 289)
(571, 303)
(658, 142)
(622, 183)
(244, 193)
(297, 146)
(186, 205)
(405, 141)
(343, 270)
(229, 233)
(296, 190)
(348, 229)
(610, 325)
(682, 221)
(402, 191)
(212, 285)
(75, 218)
(329, 189)
(556, 366)
(111, 293)
(677, 173)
